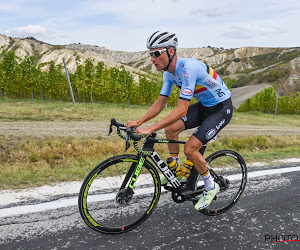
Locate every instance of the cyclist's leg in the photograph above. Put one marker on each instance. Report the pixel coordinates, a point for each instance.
(191, 150)
(215, 118)
(211, 188)
(191, 120)
(172, 133)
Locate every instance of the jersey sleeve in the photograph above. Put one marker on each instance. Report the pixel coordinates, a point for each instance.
(188, 82)
(167, 85)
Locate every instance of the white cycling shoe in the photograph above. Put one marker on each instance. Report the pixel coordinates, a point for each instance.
(207, 197)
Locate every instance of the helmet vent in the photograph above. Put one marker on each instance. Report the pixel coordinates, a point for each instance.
(167, 39)
(156, 38)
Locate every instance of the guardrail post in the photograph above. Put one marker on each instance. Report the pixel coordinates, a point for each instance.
(68, 78)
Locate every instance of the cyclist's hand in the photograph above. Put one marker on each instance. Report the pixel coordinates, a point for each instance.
(131, 124)
(144, 131)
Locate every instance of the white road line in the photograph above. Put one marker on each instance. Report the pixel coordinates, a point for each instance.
(26, 209)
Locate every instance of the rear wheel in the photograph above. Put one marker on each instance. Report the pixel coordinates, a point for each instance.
(229, 170)
(108, 205)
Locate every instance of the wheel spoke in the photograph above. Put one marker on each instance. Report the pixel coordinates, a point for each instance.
(113, 208)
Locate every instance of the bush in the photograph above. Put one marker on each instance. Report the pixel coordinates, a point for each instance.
(272, 75)
(265, 101)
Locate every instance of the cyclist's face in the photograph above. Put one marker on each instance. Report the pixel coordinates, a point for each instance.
(160, 62)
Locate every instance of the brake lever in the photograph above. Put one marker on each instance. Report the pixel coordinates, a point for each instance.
(110, 130)
(127, 145)
(113, 122)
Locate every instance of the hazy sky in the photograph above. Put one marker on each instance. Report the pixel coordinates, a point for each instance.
(125, 25)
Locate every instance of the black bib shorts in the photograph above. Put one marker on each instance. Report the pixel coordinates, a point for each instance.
(209, 120)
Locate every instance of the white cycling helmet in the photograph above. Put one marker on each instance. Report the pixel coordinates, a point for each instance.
(162, 39)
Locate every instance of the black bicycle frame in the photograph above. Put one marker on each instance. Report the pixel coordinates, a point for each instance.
(148, 149)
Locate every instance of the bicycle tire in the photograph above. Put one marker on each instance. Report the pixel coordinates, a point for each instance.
(231, 166)
(99, 202)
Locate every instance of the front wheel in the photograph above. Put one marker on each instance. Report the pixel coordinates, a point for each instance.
(229, 170)
(108, 205)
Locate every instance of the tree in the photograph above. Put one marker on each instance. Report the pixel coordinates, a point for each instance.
(78, 82)
(126, 80)
(29, 76)
(89, 78)
(8, 65)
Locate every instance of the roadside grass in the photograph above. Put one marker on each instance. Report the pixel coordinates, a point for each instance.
(61, 111)
(30, 162)
(260, 147)
(26, 110)
(263, 119)
(27, 162)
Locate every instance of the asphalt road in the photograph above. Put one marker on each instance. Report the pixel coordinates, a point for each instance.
(268, 211)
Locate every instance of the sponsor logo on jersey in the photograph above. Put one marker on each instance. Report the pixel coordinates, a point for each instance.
(173, 76)
(201, 96)
(186, 92)
(211, 83)
(185, 75)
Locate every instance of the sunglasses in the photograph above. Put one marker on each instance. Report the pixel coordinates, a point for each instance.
(157, 53)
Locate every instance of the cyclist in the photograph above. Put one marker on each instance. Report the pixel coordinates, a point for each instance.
(210, 114)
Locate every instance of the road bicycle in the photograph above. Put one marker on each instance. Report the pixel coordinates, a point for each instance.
(122, 192)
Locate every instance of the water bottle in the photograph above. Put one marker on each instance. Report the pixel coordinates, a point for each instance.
(186, 169)
(173, 165)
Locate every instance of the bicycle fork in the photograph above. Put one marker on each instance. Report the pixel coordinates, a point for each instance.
(125, 194)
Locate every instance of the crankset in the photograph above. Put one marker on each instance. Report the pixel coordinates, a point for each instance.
(182, 194)
(223, 182)
(178, 198)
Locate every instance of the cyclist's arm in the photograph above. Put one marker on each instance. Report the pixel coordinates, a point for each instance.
(152, 112)
(188, 77)
(174, 116)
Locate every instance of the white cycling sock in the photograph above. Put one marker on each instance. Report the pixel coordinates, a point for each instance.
(209, 183)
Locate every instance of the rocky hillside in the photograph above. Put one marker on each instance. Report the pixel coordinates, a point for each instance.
(248, 65)
(46, 53)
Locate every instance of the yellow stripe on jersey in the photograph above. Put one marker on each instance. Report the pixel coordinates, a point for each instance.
(211, 72)
(199, 88)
